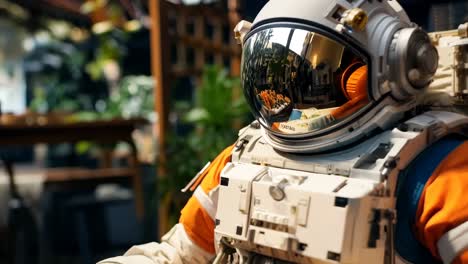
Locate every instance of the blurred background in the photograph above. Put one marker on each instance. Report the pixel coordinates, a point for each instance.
(109, 107)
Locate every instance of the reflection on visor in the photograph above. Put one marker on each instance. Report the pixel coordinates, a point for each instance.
(305, 120)
(300, 82)
(274, 103)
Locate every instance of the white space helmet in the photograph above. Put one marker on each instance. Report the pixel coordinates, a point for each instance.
(322, 74)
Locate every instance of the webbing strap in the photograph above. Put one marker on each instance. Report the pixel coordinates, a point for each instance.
(452, 243)
(206, 202)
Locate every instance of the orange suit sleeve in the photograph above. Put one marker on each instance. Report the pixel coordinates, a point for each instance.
(461, 259)
(443, 204)
(197, 222)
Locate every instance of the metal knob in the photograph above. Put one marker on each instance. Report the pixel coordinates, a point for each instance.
(277, 190)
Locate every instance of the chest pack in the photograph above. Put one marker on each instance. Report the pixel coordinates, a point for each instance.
(335, 207)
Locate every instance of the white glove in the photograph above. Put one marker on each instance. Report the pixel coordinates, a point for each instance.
(175, 248)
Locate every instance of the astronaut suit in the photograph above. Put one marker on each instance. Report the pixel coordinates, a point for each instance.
(349, 160)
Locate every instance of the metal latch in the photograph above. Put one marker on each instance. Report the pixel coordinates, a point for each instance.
(242, 142)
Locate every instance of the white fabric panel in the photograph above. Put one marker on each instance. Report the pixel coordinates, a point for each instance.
(128, 260)
(206, 201)
(175, 248)
(453, 243)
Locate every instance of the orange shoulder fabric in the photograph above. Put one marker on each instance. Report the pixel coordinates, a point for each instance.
(462, 258)
(443, 204)
(196, 221)
(198, 225)
(214, 170)
(211, 180)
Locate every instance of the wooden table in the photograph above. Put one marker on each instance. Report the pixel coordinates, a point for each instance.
(104, 132)
(20, 222)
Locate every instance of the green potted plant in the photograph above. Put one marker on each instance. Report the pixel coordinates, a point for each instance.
(213, 118)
